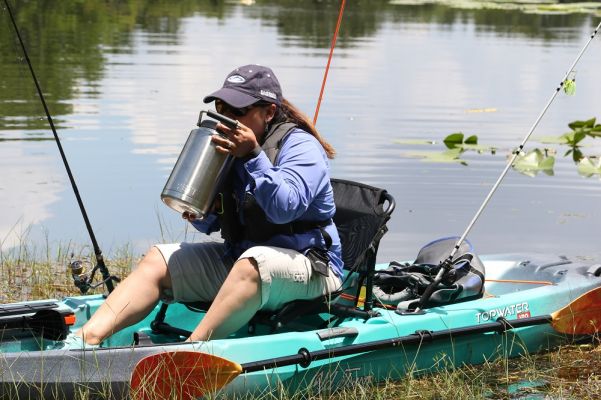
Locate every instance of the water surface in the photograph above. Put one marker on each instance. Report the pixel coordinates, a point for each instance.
(125, 82)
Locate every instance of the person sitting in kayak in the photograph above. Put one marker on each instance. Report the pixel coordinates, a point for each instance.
(280, 243)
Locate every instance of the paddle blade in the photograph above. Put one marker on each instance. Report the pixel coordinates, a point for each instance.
(580, 317)
(180, 375)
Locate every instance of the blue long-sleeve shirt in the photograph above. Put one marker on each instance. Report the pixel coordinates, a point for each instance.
(297, 187)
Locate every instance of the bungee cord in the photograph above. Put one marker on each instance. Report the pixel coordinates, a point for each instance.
(446, 265)
(106, 277)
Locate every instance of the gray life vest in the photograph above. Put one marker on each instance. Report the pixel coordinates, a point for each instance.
(256, 227)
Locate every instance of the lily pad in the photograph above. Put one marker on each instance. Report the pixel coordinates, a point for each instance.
(582, 124)
(478, 147)
(453, 139)
(595, 131)
(527, 6)
(564, 8)
(447, 156)
(457, 140)
(533, 162)
(589, 166)
(580, 130)
(410, 2)
(552, 139)
(414, 141)
(571, 138)
(471, 140)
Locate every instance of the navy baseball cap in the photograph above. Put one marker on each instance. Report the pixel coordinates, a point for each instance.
(248, 84)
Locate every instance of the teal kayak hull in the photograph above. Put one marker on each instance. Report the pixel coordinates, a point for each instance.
(517, 287)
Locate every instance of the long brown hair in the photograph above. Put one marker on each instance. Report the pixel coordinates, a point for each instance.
(288, 112)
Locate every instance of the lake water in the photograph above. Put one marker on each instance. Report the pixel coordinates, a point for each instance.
(125, 80)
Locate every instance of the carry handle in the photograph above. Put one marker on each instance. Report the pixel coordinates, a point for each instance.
(230, 123)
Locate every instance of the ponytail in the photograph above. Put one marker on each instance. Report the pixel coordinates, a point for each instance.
(287, 112)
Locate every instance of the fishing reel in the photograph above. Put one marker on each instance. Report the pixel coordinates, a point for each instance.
(84, 281)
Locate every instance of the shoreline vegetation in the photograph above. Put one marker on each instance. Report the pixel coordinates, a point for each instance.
(570, 372)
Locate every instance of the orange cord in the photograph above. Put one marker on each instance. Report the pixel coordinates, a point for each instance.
(325, 76)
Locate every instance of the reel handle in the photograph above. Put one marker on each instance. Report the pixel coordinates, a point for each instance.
(84, 280)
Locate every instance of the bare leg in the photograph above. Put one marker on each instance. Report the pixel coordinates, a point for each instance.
(131, 301)
(238, 299)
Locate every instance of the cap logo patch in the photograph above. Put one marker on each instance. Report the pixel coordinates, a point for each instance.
(236, 79)
(267, 93)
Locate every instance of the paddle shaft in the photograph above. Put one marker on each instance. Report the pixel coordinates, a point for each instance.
(304, 357)
(99, 259)
(447, 263)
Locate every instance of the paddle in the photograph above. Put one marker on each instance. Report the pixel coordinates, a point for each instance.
(580, 317)
(190, 374)
(180, 375)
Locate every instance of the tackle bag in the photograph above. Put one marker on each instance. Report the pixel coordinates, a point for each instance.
(403, 284)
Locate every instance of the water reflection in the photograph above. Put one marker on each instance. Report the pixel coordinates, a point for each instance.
(124, 82)
(69, 42)
(27, 190)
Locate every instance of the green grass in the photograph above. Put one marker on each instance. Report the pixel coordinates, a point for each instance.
(571, 372)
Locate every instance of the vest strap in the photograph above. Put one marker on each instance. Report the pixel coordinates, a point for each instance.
(272, 141)
(257, 228)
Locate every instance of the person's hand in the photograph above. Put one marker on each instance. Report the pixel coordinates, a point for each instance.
(188, 216)
(238, 142)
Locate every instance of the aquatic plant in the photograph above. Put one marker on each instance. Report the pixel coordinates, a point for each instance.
(542, 7)
(528, 163)
(589, 166)
(532, 162)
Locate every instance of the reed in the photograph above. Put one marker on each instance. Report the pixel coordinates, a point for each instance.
(32, 272)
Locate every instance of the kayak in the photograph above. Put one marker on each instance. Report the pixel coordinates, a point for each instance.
(517, 315)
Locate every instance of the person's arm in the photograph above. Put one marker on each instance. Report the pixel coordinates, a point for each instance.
(285, 191)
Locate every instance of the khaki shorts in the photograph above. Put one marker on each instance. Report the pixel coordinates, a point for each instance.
(199, 269)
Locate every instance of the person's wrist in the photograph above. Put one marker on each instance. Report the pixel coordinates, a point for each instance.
(253, 153)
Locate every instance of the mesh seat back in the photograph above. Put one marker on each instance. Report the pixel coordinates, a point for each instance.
(360, 219)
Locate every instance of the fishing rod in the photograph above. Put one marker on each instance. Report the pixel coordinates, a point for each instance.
(82, 281)
(446, 265)
(325, 75)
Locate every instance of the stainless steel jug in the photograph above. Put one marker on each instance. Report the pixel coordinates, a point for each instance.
(198, 173)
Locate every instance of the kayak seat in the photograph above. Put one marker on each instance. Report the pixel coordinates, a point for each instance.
(362, 212)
